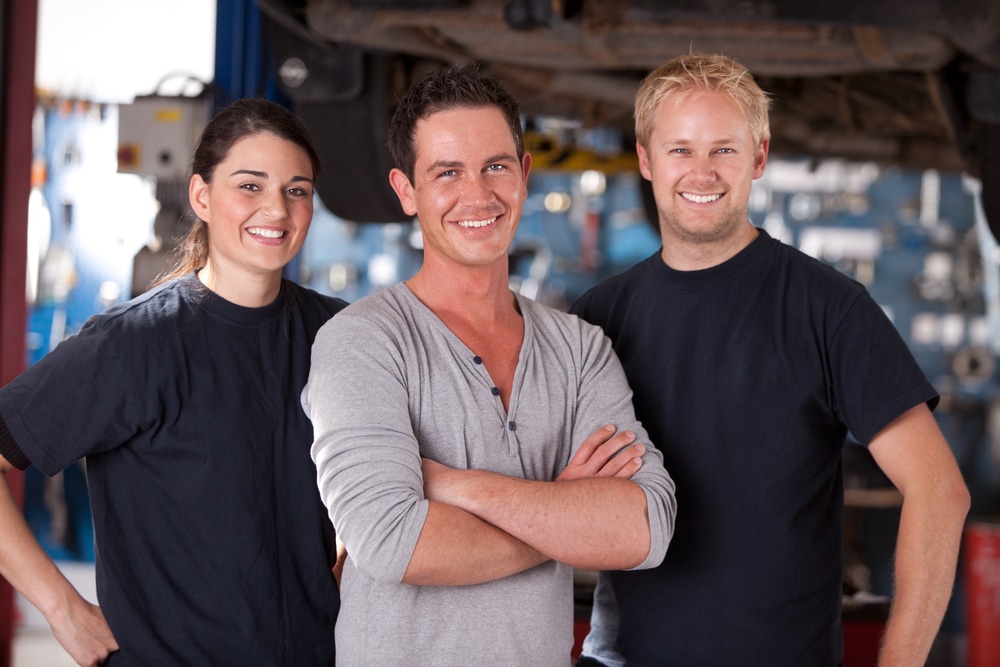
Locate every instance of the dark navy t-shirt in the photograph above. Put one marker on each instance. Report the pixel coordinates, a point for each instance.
(213, 546)
(748, 377)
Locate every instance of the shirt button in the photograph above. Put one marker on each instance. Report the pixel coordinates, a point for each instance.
(477, 360)
(496, 391)
(512, 426)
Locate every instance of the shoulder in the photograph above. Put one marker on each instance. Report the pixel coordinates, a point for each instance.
(609, 303)
(388, 304)
(613, 289)
(122, 335)
(817, 272)
(151, 312)
(383, 312)
(629, 277)
(552, 323)
(544, 315)
(815, 294)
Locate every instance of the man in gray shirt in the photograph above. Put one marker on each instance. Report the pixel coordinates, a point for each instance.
(473, 446)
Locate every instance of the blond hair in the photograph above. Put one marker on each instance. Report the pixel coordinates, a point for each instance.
(684, 75)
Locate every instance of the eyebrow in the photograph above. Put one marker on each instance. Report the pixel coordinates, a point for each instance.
(263, 174)
(683, 141)
(440, 164)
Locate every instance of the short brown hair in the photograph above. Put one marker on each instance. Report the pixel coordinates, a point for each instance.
(443, 89)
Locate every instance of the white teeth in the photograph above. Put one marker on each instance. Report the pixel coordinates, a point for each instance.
(476, 223)
(700, 199)
(266, 233)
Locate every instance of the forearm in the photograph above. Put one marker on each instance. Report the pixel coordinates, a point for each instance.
(26, 566)
(456, 548)
(597, 523)
(77, 625)
(926, 556)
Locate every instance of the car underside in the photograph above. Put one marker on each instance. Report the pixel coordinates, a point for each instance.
(913, 84)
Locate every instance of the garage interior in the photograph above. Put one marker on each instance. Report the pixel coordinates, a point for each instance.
(885, 165)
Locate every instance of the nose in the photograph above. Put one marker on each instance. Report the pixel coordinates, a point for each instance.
(477, 191)
(703, 168)
(274, 206)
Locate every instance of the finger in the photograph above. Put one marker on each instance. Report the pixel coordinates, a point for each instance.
(610, 449)
(592, 466)
(626, 463)
(630, 468)
(592, 443)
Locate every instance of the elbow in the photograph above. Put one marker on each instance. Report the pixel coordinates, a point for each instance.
(661, 532)
(648, 546)
(638, 554)
(958, 499)
(626, 555)
(652, 555)
(948, 501)
(382, 549)
(416, 575)
(380, 569)
(950, 496)
(645, 558)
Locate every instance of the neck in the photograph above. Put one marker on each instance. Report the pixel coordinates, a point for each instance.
(249, 291)
(472, 293)
(695, 255)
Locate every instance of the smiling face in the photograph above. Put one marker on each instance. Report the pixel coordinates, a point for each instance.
(468, 187)
(258, 207)
(702, 161)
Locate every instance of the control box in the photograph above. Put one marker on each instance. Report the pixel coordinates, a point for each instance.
(157, 134)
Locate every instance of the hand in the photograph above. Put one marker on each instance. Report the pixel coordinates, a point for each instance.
(85, 635)
(605, 454)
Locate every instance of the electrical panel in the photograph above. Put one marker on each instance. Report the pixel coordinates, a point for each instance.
(157, 135)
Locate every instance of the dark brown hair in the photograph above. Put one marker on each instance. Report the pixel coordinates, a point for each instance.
(457, 86)
(243, 118)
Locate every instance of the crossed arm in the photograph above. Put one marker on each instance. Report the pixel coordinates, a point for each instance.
(404, 519)
(914, 455)
(519, 523)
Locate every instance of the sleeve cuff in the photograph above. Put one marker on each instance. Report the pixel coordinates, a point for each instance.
(9, 449)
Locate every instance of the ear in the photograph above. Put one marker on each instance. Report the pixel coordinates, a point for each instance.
(644, 169)
(198, 197)
(760, 160)
(525, 170)
(404, 190)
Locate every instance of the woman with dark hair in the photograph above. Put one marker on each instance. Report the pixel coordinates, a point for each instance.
(213, 547)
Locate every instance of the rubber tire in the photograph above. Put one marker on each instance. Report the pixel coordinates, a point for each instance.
(988, 148)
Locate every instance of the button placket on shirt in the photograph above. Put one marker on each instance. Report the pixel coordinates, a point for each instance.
(511, 425)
